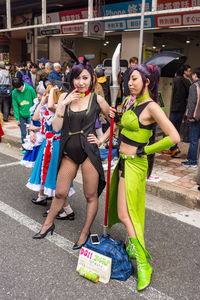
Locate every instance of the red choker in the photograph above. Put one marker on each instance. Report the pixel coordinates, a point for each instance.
(85, 94)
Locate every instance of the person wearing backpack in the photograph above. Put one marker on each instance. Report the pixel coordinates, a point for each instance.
(23, 74)
(22, 99)
(193, 116)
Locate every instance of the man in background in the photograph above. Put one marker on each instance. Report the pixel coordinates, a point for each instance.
(179, 102)
(133, 61)
(22, 99)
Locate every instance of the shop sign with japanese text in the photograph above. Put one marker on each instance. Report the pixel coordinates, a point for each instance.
(72, 15)
(51, 18)
(177, 19)
(176, 4)
(127, 8)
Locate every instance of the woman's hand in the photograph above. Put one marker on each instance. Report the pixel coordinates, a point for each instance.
(112, 112)
(74, 95)
(55, 89)
(92, 139)
(32, 137)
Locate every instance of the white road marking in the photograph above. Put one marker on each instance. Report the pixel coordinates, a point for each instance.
(159, 205)
(10, 164)
(131, 284)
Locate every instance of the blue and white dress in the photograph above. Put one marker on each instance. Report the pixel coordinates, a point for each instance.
(32, 149)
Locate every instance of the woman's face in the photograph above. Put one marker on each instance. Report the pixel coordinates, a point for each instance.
(39, 96)
(135, 83)
(82, 82)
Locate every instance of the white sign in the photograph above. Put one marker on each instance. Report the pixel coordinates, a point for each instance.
(169, 20)
(191, 19)
(51, 18)
(96, 263)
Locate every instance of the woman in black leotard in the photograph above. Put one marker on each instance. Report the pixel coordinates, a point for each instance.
(76, 115)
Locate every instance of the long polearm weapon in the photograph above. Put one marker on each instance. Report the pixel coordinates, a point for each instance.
(114, 92)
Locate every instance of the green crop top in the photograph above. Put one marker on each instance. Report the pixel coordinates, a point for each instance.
(133, 132)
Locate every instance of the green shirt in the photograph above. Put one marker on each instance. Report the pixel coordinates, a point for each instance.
(22, 101)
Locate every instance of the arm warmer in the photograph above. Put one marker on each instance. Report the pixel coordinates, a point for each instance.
(159, 146)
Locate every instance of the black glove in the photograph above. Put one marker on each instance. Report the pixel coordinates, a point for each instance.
(117, 117)
(140, 151)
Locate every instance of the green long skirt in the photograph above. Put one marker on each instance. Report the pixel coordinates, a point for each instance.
(135, 171)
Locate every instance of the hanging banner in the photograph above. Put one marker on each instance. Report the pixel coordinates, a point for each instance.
(127, 8)
(72, 15)
(176, 4)
(177, 19)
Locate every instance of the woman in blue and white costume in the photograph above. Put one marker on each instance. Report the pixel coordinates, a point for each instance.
(35, 138)
(43, 176)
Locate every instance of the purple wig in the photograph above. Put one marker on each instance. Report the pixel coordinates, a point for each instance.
(76, 71)
(153, 74)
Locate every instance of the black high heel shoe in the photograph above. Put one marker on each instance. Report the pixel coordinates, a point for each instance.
(41, 236)
(79, 246)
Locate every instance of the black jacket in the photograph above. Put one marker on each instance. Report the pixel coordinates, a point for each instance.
(125, 83)
(180, 94)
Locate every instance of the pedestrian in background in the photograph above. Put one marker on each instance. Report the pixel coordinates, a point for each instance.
(179, 102)
(67, 71)
(22, 100)
(133, 61)
(193, 116)
(48, 69)
(41, 74)
(56, 73)
(33, 71)
(5, 91)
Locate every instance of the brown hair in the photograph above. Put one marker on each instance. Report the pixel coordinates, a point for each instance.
(133, 59)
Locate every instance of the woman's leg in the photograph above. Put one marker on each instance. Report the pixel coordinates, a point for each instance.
(135, 249)
(66, 174)
(123, 213)
(90, 186)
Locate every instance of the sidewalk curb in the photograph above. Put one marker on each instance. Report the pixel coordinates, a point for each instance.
(13, 141)
(174, 193)
(170, 192)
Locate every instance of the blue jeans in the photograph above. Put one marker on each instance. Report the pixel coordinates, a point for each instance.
(194, 133)
(176, 119)
(22, 125)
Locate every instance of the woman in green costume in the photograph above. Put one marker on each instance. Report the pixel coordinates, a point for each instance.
(127, 187)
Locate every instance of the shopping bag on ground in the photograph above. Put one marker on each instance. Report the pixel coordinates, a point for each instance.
(121, 264)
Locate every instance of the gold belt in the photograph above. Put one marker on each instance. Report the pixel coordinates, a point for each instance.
(77, 132)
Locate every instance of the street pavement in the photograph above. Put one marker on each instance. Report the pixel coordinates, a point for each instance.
(46, 269)
(175, 182)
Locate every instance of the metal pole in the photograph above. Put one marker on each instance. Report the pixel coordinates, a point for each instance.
(44, 12)
(108, 18)
(35, 41)
(141, 32)
(8, 14)
(90, 9)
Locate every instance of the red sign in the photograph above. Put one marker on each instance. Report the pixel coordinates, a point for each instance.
(178, 19)
(73, 15)
(176, 4)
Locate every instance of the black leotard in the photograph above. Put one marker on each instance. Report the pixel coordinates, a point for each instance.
(72, 147)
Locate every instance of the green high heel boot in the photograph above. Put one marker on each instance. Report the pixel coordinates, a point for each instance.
(130, 250)
(144, 269)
